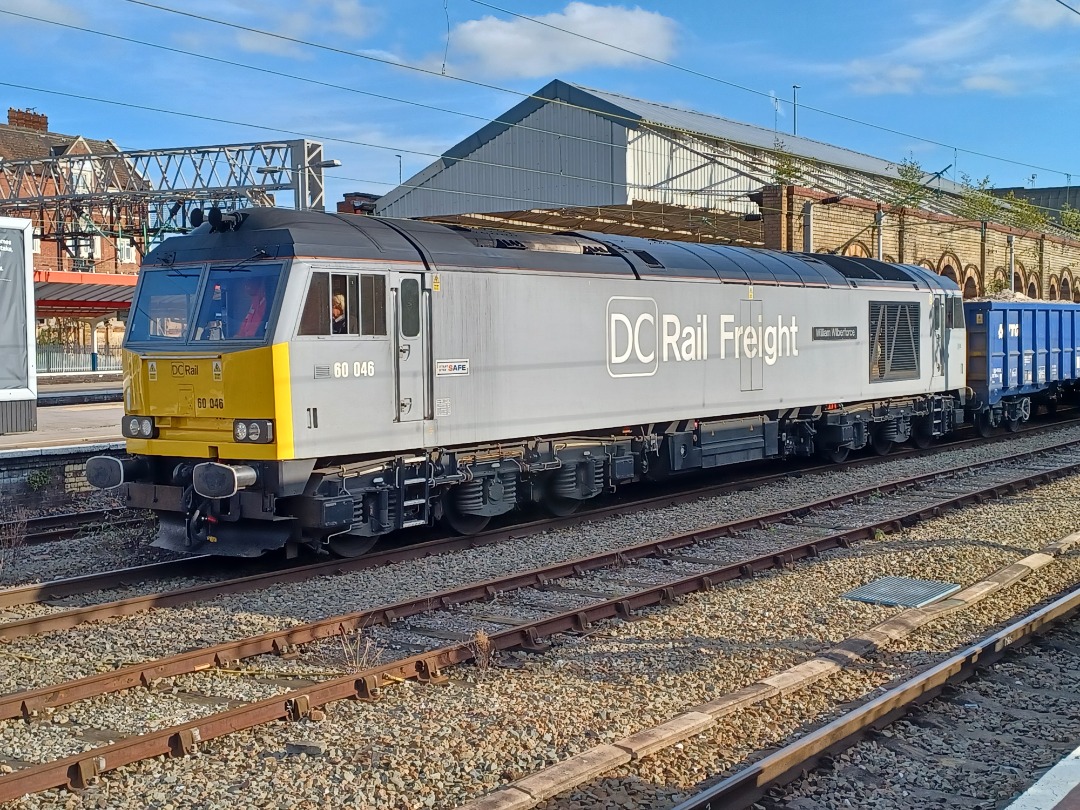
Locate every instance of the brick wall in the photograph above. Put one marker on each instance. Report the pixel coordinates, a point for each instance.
(945, 244)
(47, 482)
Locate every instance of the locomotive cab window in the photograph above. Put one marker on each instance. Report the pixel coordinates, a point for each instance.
(164, 304)
(954, 313)
(236, 303)
(345, 304)
(410, 307)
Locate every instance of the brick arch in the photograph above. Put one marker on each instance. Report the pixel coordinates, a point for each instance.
(1066, 289)
(889, 259)
(927, 264)
(1019, 281)
(972, 285)
(1052, 289)
(858, 250)
(999, 278)
(949, 265)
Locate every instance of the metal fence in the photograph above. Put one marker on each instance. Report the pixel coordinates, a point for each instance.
(77, 358)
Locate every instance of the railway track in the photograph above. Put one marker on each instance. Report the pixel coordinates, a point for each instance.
(570, 596)
(49, 528)
(820, 748)
(209, 569)
(276, 574)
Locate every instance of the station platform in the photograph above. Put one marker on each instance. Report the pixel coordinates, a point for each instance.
(72, 426)
(1059, 788)
(82, 390)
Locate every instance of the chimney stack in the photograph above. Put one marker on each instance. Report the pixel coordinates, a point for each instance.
(28, 119)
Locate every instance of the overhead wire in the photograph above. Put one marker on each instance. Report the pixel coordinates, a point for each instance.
(697, 192)
(489, 86)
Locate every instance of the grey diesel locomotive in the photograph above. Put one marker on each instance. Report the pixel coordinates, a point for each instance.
(323, 379)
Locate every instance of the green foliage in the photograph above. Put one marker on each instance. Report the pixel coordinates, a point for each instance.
(1069, 218)
(786, 170)
(976, 201)
(996, 285)
(1024, 214)
(38, 479)
(908, 190)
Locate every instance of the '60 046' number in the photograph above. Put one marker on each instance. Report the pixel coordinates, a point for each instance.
(358, 368)
(213, 403)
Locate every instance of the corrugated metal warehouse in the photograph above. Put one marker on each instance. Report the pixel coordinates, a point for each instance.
(573, 158)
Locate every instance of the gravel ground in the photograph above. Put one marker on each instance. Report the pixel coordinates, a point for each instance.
(978, 746)
(99, 646)
(439, 746)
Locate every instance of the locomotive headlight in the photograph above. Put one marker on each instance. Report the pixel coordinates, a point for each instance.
(138, 427)
(257, 431)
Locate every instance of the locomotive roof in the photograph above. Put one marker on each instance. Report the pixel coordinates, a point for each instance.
(268, 233)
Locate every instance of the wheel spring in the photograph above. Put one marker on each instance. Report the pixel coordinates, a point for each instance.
(887, 431)
(469, 497)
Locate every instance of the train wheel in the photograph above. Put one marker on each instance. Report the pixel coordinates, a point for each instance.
(881, 445)
(347, 545)
(1012, 425)
(560, 507)
(460, 522)
(834, 455)
(983, 425)
(921, 434)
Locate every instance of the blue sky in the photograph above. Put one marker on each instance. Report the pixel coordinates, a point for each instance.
(987, 88)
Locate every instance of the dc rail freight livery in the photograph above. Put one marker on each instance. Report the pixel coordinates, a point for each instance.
(305, 378)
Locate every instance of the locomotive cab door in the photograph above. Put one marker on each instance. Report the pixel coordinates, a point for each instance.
(411, 347)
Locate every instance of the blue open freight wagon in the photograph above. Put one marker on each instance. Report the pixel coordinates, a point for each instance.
(1020, 354)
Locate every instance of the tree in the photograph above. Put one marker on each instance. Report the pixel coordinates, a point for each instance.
(909, 189)
(1023, 213)
(976, 201)
(785, 168)
(1069, 218)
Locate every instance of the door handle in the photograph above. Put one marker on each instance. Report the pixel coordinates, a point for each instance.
(405, 405)
(405, 351)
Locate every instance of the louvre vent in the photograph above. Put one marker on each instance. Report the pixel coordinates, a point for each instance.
(894, 340)
(648, 258)
(322, 372)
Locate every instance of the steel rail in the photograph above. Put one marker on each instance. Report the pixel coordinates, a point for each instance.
(88, 583)
(64, 620)
(78, 770)
(750, 784)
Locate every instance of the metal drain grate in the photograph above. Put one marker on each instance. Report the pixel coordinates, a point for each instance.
(902, 591)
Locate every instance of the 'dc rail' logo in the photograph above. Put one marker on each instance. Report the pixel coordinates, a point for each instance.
(632, 342)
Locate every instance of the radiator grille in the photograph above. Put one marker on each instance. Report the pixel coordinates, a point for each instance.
(894, 340)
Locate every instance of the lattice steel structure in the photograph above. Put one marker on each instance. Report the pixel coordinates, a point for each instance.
(149, 192)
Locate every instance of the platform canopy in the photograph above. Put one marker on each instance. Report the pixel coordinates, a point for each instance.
(82, 295)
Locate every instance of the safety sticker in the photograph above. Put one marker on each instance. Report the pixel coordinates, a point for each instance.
(217, 370)
(442, 408)
(451, 368)
(151, 370)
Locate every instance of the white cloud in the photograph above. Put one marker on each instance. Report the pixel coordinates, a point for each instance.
(51, 10)
(1042, 14)
(875, 79)
(525, 49)
(990, 83)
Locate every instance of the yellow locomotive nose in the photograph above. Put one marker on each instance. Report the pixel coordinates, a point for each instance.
(231, 405)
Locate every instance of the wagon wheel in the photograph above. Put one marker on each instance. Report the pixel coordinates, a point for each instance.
(460, 522)
(1012, 425)
(350, 545)
(984, 426)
